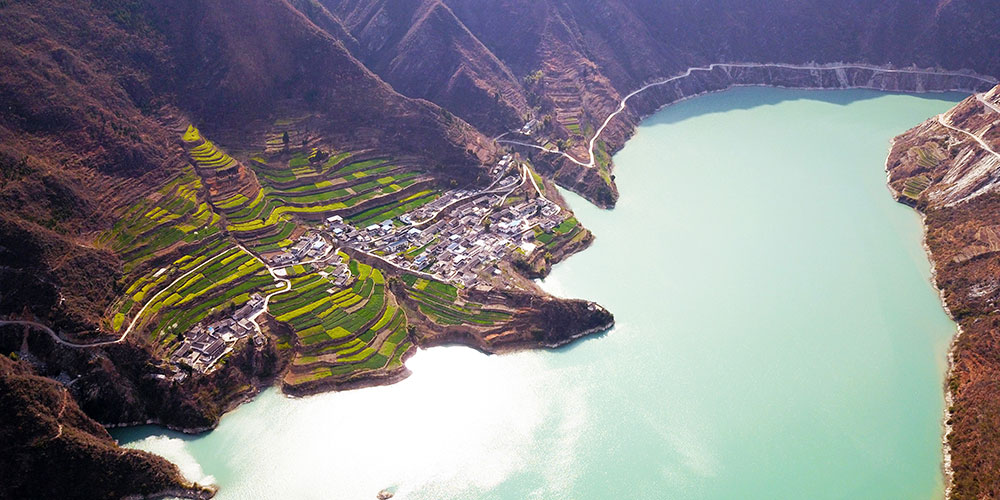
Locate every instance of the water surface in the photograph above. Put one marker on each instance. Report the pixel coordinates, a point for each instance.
(777, 337)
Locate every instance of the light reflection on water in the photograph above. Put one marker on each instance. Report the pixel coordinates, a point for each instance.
(776, 337)
(462, 423)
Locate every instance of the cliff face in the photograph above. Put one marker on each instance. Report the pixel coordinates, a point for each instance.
(948, 169)
(49, 448)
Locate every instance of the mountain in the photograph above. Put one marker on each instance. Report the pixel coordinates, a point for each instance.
(424, 50)
(141, 140)
(571, 61)
(52, 449)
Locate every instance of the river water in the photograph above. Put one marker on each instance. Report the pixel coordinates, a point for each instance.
(777, 337)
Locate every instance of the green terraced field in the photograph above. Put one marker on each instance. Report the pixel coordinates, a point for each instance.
(564, 232)
(394, 209)
(343, 331)
(566, 226)
(171, 215)
(292, 191)
(276, 241)
(340, 332)
(221, 275)
(205, 154)
(297, 172)
(439, 302)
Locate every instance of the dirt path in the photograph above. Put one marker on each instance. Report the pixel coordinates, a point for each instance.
(131, 325)
(983, 144)
(988, 104)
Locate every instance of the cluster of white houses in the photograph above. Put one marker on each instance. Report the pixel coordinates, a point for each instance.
(474, 236)
(203, 346)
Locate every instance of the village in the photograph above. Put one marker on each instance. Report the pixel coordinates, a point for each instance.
(463, 235)
(203, 346)
(461, 238)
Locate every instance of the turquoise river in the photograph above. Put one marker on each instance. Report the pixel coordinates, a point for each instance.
(777, 336)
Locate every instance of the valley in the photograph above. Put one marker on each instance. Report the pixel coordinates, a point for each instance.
(200, 202)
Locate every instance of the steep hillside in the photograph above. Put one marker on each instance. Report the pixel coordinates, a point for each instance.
(572, 61)
(91, 89)
(423, 50)
(265, 59)
(50, 449)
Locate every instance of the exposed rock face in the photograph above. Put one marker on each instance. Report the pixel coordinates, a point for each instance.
(943, 169)
(49, 448)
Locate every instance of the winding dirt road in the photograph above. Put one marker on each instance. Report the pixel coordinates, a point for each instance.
(131, 325)
(982, 143)
(590, 163)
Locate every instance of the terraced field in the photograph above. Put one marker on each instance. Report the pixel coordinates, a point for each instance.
(930, 157)
(313, 188)
(225, 284)
(394, 209)
(171, 216)
(565, 231)
(235, 193)
(308, 183)
(342, 332)
(260, 221)
(205, 155)
(226, 280)
(441, 303)
(300, 166)
(916, 185)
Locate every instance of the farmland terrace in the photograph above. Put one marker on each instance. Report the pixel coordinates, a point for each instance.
(340, 262)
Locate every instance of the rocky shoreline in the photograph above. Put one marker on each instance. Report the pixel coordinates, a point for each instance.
(949, 179)
(199, 493)
(946, 427)
(946, 469)
(644, 103)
